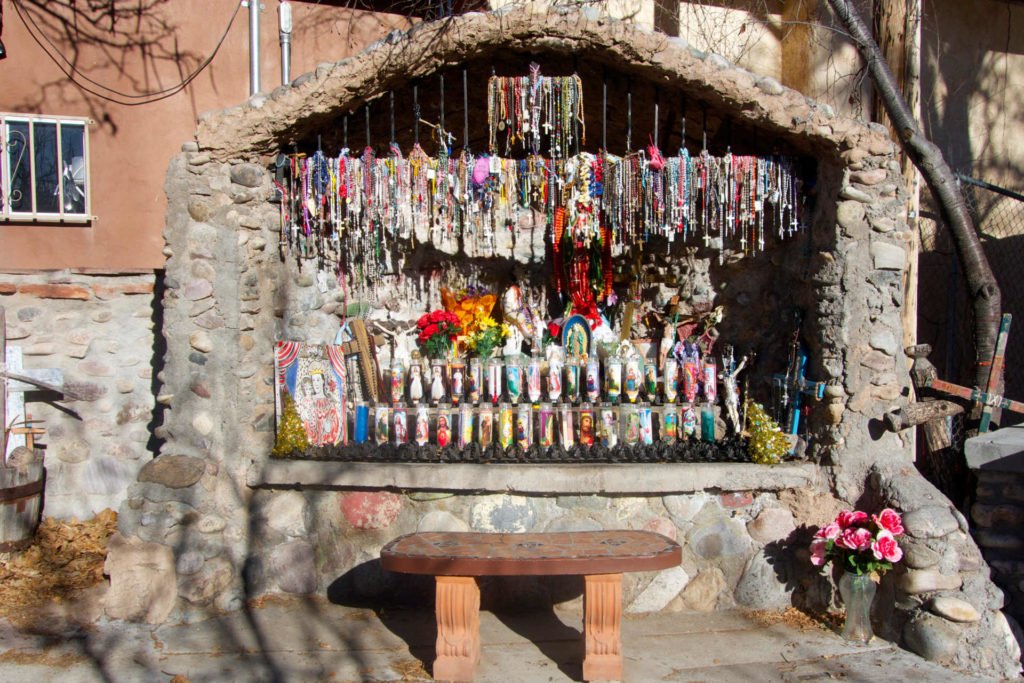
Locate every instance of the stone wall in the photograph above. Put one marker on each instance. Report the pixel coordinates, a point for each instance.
(230, 294)
(100, 332)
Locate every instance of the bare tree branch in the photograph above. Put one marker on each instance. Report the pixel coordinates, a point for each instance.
(981, 283)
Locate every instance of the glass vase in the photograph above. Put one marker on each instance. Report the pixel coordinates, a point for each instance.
(857, 591)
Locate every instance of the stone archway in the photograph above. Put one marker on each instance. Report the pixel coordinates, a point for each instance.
(238, 525)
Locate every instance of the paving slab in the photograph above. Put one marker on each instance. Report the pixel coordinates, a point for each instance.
(313, 640)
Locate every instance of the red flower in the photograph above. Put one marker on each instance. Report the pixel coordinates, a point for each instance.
(855, 539)
(889, 520)
(846, 518)
(886, 548)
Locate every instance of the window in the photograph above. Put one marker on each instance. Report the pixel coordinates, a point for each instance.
(44, 168)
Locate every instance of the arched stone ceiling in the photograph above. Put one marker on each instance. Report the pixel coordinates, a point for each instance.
(266, 123)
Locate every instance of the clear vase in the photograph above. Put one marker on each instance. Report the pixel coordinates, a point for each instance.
(857, 591)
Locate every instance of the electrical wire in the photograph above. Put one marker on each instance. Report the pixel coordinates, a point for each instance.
(71, 70)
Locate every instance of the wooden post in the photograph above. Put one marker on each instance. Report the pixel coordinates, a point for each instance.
(922, 374)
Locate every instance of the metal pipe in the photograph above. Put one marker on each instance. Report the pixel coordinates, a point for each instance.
(254, 45)
(284, 16)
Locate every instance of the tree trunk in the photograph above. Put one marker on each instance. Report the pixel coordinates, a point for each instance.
(981, 283)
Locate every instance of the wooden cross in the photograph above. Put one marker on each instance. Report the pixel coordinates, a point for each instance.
(360, 346)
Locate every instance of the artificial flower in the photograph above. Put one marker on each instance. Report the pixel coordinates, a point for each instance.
(860, 543)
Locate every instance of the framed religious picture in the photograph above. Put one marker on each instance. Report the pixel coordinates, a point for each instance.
(576, 336)
(314, 378)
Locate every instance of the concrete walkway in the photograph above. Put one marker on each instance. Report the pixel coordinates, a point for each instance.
(312, 640)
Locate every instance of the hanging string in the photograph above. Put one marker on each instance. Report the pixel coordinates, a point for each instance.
(344, 128)
(465, 110)
(604, 114)
(629, 121)
(416, 115)
(657, 103)
(441, 104)
(704, 129)
(391, 97)
(682, 133)
(368, 124)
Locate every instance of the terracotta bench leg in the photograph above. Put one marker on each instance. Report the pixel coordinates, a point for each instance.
(458, 628)
(602, 627)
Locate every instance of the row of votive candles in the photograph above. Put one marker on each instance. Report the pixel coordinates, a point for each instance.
(623, 380)
(526, 424)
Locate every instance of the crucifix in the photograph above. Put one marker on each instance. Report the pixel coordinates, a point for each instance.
(793, 385)
(15, 380)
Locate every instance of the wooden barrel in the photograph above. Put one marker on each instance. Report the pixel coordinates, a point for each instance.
(21, 505)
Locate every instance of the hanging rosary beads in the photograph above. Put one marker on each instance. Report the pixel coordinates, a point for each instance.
(349, 210)
(525, 110)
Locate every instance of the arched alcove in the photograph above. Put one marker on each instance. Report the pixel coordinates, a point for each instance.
(242, 524)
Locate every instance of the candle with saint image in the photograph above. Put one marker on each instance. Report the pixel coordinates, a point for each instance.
(474, 383)
(514, 380)
(397, 375)
(646, 424)
(546, 425)
(456, 381)
(709, 381)
(401, 430)
(593, 379)
(444, 427)
(669, 424)
(630, 425)
(533, 379)
(613, 379)
(506, 426)
(691, 381)
(572, 380)
(486, 431)
(466, 425)
(651, 381)
(671, 382)
(422, 434)
(565, 427)
(494, 380)
(524, 426)
(609, 426)
(688, 420)
(382, 425)
(554, 380)
(631, 384)
(586, 425)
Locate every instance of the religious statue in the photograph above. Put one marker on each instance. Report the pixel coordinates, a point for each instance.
(731, 393)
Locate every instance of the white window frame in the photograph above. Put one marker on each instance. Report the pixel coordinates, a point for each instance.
(7, 215)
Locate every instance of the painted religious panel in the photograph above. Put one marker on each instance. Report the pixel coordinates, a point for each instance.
(312, 378)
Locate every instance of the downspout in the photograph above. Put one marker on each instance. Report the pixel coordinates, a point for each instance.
(254, 45)
(284, 17)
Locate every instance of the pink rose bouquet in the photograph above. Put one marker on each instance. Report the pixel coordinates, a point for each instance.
(860, 543)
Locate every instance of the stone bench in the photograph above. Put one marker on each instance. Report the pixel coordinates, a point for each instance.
(456, 558)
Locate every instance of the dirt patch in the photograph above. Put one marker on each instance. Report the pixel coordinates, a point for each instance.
(65, 558)
(26, 657)
(795, 618)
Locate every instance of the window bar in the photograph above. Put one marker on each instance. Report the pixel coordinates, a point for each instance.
(60, 169)
(32, 159)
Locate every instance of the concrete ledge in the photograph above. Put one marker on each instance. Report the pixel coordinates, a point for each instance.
(1000, 451)
(538, 479)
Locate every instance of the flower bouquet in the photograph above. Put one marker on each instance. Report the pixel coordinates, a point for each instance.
(865, 547)
(437, 331)
(488, 336)
(859, 543)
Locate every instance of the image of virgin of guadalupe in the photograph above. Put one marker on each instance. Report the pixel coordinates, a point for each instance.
(315, 376)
